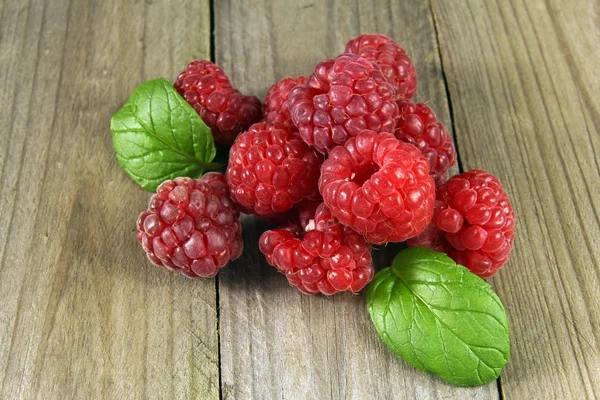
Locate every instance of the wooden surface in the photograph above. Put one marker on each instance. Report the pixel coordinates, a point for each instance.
(276, 342)
(83, 315)
(524, 93)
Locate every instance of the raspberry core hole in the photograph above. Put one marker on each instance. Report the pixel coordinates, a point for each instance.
(363, 173)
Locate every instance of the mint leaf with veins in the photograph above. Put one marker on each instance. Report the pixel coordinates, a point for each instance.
(157, 135)
(440, 317)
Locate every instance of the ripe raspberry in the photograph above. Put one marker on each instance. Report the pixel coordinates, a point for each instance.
(396, 66)
(325, 257)
(475, 222)
(192, 226)
(431, 237)
(270, 169)
(341, 98)
(298, 218)
(224, 109)
(277, 110)
(418, 126)
(251, 113)
(378, 186)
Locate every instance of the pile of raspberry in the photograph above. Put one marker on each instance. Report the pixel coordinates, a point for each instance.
(340, 160)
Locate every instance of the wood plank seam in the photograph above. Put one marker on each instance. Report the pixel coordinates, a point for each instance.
(452, 127)
(453, 131)
(211, 9)
(533, 69)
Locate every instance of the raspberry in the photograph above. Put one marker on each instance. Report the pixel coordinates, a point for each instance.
(301, 215)
(270, 169)
(418, 126)
(396, 66)
(192, 226)
(341, 98)
(378, 186)
(474, 223)
(431, 237)
(326, 257)
(251, 113)
(277, 110)
(224, 109)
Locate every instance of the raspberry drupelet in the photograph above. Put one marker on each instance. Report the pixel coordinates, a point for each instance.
(276, 106)
(251, 113)
(299, 217)
(431, 237)
(419, 126)
(191, 226)
(322, 256)
(206, 87)
(395, 65)
(378, 186)
(270, 169)
(474, 223)
(341, 98)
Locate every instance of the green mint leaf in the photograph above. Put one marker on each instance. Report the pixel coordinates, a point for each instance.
(440, 317)
(157, 136)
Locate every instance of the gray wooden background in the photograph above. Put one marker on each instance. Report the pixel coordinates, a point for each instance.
(84, 316)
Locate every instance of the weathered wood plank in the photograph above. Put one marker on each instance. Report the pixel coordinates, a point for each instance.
(523, 81)
(275, 342)
(82, 314)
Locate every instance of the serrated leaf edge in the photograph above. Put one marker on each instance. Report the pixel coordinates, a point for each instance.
(387, 340)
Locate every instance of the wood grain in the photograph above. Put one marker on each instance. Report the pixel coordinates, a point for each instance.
(523, 81)
(82, 314)
(275, 342)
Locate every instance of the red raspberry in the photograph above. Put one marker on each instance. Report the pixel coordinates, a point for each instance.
(326, 257)
(270, 169)
(474, 222)
(192, 226)
(277, 110)
(224, 109)
(431, 237)
(300, 216)
(378, 186)
(418, 126)
(341, 98)
(392, 59)
(251, 113)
